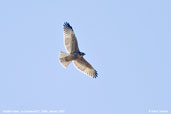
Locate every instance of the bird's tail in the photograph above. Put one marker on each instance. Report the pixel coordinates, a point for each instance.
(62, 59)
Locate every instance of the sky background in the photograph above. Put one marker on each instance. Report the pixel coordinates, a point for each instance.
(127, 41)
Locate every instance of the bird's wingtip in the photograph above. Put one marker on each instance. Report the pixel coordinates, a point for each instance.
(96, 74)
(67, 25)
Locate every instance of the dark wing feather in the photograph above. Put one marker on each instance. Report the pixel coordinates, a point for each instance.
(70, 40)
(85, 67)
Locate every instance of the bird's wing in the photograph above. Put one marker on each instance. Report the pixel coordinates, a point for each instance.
(83, 66)
(70, 40)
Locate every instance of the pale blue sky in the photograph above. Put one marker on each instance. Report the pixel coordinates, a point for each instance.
(127, 41)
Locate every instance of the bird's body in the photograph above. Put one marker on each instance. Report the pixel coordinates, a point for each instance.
(74, 53)
(73, 56)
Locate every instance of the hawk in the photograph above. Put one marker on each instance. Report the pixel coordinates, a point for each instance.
(74, 54)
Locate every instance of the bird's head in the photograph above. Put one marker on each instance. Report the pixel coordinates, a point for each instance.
(81, 53)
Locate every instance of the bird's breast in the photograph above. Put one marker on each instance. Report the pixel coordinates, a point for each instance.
(76, 56)
(79, 56)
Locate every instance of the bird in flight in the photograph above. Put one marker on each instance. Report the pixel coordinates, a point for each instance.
(74, 54)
